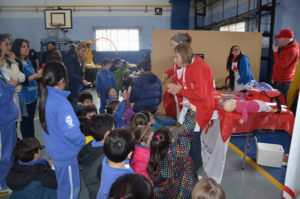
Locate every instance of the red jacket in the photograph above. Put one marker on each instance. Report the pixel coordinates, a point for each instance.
(285, 63)
(200, 89)
(140, 160)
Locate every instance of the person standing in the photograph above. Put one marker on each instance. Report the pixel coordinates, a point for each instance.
(285, 61)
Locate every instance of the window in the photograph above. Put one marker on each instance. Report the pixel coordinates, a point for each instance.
(236, 27)
(123, 39)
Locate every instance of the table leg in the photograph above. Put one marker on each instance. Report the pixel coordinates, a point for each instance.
(245, 151)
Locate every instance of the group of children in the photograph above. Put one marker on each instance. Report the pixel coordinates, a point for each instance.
(104, 150)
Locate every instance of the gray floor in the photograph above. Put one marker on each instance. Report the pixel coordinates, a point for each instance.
(237, 183)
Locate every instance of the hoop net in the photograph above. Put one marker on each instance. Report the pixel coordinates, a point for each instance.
(56, 30)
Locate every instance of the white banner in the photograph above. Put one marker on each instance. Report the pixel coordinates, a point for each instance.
(292, 178)
(213, 150)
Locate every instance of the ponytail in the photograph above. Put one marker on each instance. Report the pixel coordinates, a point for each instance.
(43, 94)
(52, 73)
(159, 148)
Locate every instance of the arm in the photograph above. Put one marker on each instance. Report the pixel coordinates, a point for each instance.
(6, 93)
(185, 137)
(98, 83)
(170, 72)
(69, 124)
(244, 70)
(136, 90)
(120, 110)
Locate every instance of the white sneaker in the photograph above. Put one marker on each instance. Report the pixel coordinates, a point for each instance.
(7, 191)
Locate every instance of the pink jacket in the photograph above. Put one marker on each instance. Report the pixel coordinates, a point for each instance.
(140, 160)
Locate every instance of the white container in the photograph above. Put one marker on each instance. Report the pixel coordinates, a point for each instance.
(270, 155)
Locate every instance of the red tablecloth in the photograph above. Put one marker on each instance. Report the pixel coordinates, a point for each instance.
(229, 122)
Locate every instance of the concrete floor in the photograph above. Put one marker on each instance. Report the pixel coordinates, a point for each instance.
(237, 183)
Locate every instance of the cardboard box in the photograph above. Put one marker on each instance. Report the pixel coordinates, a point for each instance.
(269, 154)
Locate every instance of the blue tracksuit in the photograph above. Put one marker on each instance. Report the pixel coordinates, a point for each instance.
(118, 115)
(104, 81)
(108, 176)
(8, 114)
(63, 142)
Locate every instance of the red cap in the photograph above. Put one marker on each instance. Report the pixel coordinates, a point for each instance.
(286, 33)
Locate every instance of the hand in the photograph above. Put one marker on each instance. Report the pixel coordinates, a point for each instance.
(39, 74)
(173, 88)
(125, 95)
(12, 82)
(11, 56)
(99, 95)
(85, 83)
(189, 105)
(164, 78)
(241, 121)
(275, 48)
(272, 81)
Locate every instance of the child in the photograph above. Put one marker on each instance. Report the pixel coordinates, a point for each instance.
(142, 118)
(60, 126)
(245, 107)
(104, 80)
(91, 155)
(131, 186)
(111, 95)
(84, 128)
(118, 147)
(141, 155)
(120, 111)
(208, 188)
(31, 176)
(170, 167)
(84, 99)
(158, 122)
(89, 111)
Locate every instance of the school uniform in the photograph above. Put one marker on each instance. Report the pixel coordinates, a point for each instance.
(63, 142)
(8, 114)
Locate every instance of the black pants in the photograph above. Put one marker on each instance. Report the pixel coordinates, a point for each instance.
(195, 152)
(27, 123)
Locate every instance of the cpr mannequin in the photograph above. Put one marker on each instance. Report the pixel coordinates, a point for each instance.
(245, 107)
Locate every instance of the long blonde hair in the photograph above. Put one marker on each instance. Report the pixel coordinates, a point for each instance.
(82, 60)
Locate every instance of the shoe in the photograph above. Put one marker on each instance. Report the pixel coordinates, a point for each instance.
(6, 191)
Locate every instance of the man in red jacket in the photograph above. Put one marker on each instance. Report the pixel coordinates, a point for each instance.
(284, 61)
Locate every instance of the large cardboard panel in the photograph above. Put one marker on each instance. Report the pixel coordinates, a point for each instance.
(215, 46)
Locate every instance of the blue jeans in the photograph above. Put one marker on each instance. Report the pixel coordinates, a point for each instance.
(283, 87)
(195, 152)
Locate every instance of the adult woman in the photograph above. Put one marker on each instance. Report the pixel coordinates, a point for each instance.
(193, 82)
(62, 135)
(76, 68)
(29, 93)
(168, 99)
(239, 69)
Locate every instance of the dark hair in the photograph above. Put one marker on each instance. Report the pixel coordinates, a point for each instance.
(112, 106)
(115, 61)
(185, 51)
(207, 188)
(229, 64)
(53, 72)
(108, 91)
(181, 37)
(84, 125)
(16, 46)
(142, 134)
(89, 109)
(146, 65)
(118, 144)
(99, 124)
(139, 119)
(230, 56)
(85, 95)
(8, 36)
(105, 61)
(2, 38)
(159, 147)
(131, 186)
(1, 52)
(150, 109)
(52, 42)
(26, 148)
(54, 55)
